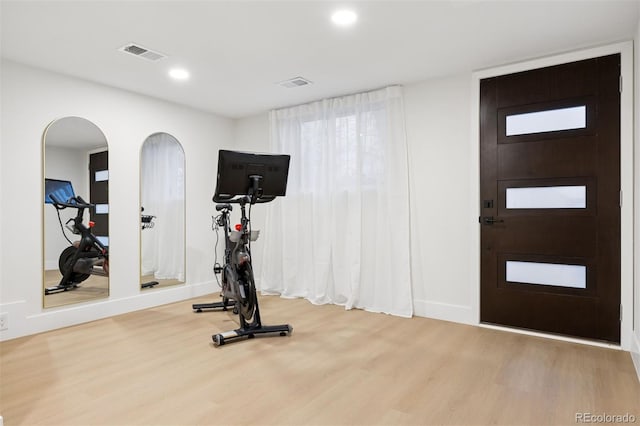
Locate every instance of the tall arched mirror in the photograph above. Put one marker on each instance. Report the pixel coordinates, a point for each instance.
(162, 208)
(76, 212)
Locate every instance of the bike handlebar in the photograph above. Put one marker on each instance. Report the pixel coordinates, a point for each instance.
(78, 204)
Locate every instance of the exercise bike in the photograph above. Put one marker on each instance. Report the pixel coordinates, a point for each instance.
(76, 262)
(242, 179)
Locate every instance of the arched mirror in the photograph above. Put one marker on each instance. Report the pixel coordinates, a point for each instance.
(76, 212)
(162, 207)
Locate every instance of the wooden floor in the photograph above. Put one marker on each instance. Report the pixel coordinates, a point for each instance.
(93, 288)
(161, 282)
(158, 367)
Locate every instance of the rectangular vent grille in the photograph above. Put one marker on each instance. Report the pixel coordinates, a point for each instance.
(295, 82)
(142, 52)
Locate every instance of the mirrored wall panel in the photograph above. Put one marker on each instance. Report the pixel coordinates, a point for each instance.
(76, 212)
(162, 207)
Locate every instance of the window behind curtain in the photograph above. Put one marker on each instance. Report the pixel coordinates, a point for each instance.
(357, 152)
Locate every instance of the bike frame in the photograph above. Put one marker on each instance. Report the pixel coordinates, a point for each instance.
(237, 269)
(89, 252)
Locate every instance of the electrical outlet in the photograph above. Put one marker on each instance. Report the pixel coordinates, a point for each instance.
(4, 321)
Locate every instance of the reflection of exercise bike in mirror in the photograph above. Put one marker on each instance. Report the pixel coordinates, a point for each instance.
(76, 262)
(146, 222)
(245, 179)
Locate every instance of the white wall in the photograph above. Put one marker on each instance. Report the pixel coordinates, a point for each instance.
(635, 344)
(31, 99)
(442, 213)
(65, 164)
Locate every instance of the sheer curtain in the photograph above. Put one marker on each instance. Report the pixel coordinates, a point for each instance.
(341, 234)
(162, 195)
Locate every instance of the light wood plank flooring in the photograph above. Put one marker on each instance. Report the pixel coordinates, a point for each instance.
(161, 282)
(93, 288)
(158, 367)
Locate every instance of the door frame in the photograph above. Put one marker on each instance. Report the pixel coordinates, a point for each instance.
(625, 49)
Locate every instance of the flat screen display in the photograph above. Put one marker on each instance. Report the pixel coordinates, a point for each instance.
(235, 169)
(62, 190)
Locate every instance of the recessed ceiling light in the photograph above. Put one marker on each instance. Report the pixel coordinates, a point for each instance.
(179, 74)
(344, 17)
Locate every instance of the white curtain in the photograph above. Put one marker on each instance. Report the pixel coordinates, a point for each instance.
(341, 234)
(162, 195)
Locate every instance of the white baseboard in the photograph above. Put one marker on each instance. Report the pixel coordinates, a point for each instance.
(635, 352)
(444, 311)
(50, 265)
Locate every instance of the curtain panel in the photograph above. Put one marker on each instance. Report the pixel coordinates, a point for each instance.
(341, 234)
(162, 195)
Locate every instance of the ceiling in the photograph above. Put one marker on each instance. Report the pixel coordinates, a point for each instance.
(236, 51)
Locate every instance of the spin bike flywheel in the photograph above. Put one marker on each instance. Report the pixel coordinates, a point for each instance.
(247, 304)
(65, 263)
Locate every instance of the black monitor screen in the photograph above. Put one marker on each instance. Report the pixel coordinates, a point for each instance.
(62, 190)
(235, 167)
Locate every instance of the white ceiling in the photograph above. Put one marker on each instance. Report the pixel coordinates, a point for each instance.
(237, 50)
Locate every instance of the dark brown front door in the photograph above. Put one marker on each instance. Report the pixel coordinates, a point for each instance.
(99, 194)
(550, 194)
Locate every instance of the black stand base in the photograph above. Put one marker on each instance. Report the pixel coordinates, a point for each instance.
(199, 307)
(149, 284)
(59, 288)
(222, 338)
(245, 330)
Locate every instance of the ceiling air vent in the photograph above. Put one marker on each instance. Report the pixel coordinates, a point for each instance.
(295, 82)
(142, 52)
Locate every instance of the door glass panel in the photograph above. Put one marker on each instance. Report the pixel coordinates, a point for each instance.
(102, 208)
(547, 197)
(102, 175)
(547, 121)
(560, 275)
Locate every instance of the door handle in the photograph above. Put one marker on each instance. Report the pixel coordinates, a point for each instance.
(490, 220)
